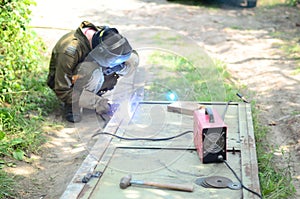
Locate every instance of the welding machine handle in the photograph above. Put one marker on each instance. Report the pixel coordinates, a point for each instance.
(209, 112)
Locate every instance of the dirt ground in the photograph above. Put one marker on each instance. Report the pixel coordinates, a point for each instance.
(244, 39)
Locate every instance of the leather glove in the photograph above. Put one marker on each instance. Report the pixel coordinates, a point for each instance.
(107, 116)
(90, 100)
(102, 106)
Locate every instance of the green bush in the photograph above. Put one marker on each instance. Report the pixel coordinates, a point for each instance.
(293, 2)
(24, 96)
(20, 48)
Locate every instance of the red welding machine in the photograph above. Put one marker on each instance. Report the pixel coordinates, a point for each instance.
(209, 135)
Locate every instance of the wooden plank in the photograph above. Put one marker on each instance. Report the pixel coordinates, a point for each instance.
(255, 185)
(249, 165)
(90, 162)
(184, 107)
(90, 186)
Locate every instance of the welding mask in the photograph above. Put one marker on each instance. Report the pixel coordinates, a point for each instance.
(110, 48)
(125, 68)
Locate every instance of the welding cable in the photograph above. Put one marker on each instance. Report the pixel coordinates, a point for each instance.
(225, 111)
(146, 139)
(234, 173)
(225, 162)
(227, 104)
(242, 98)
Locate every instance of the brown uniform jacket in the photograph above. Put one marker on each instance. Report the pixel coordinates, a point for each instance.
(67, 54)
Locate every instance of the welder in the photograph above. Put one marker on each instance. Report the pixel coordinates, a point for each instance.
(85, 64)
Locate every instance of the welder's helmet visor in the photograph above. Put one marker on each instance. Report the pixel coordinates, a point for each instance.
(113, 50)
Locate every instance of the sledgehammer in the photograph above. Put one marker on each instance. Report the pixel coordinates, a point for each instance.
(127, 181)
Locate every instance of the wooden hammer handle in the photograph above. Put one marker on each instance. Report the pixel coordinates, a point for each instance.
(178, 187)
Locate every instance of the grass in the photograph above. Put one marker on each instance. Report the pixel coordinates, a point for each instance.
(22, 118)
(38, 101)
(291, 49)
(276, 183)
(187, 82)
(6, 185)
(270, 3)
(22, 125)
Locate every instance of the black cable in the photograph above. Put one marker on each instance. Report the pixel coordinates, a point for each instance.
(147, 139)
(225, 111)
(234, 173)
(242, 98)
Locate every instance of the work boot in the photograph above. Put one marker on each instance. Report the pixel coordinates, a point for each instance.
(72, 113)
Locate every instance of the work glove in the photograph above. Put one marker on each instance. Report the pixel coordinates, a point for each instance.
(90, 100)
(108, 115)
(102, 106)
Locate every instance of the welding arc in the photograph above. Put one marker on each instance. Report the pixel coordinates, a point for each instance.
(146, 139)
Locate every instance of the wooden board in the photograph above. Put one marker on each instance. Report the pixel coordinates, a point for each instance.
(183, 107)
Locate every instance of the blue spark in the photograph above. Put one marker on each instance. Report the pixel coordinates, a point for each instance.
(171, 96)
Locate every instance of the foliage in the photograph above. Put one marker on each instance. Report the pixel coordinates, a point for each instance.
(24, 98)
(19, 50)
(293, 2)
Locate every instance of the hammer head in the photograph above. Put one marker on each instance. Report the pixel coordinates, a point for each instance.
(125, 182)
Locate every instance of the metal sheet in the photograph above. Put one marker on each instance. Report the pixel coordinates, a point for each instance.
(173, 160)
(162, 165)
